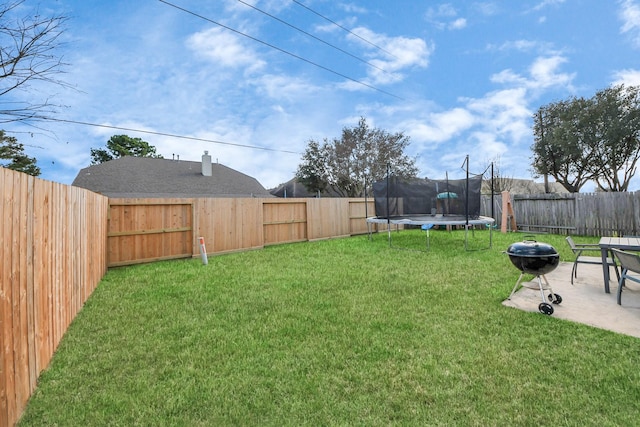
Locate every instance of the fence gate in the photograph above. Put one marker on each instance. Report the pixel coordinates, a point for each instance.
(150, 231)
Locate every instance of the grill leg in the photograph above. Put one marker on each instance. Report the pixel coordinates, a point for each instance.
(542, 288)
(547, 285)
(515, 288)
(553, 297)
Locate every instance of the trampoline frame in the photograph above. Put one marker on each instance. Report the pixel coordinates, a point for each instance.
(428, 221)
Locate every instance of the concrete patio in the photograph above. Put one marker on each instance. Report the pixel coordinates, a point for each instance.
(585, 301)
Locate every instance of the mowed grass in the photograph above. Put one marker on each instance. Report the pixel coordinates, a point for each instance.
(336, 332)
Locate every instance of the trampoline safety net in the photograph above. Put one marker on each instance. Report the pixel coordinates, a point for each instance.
(398, 197)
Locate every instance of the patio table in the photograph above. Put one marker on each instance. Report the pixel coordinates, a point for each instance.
(623, 243)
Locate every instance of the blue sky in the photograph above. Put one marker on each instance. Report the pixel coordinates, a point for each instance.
(458, 77)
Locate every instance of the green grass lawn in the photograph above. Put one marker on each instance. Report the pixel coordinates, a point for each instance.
(335, 332)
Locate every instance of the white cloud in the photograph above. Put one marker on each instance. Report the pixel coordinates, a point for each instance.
(627, 77)
(545, 75)
(352, 8)
(403, 53)
(486, 8)
(445, 16)
(491, 147)
(630, 15)
(504, 112)
(521, 45)
(285, 87)
(443, 10)
(508, 77)
(458, 24)
(439, 127)
(545, 3)
(224, 48)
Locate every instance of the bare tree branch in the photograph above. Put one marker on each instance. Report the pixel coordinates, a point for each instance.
(28, 47)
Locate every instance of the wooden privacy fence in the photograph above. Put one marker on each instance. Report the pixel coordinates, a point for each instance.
(144, 230)
(53, 252)
(583, 214)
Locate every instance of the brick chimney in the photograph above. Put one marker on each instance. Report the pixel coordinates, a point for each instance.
(206, 164)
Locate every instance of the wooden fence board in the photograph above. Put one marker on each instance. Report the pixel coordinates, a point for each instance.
(8, 393)
(57, 244)
(31, 284)
(19, 297)
(4, 310)
(40, 252)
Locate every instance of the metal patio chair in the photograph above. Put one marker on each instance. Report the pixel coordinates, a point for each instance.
(629, 263)
(580, 248)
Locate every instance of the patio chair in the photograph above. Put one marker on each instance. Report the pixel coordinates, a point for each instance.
(580, 248)
(629, 263)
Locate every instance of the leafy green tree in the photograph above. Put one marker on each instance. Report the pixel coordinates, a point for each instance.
(311, 172)
(356, 160)
(617, 127)
(121, 146)
(12, 150)
(579, 140)
(563, 142)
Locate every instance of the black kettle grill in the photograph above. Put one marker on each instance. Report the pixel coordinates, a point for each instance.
(538, 259)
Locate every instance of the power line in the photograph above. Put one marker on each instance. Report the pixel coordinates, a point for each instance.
(255, 147)
(344, 28)
(280, 49)
(312, 36)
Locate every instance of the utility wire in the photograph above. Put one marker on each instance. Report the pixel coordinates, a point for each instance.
(346, 29)
(168, 135)
(312, 36)
(280, 49)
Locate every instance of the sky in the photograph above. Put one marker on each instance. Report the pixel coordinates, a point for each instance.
(253, 81)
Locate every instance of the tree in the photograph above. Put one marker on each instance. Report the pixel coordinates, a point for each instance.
(27, 56)
(11, 150)
(617, 127)
(121, 146)
(356, 160)
(563, 142)
(579, 140)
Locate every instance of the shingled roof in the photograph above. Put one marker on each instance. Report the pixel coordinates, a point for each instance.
(131, 177)
(293, 188)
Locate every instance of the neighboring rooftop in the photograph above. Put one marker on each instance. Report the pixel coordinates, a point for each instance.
(132, 177)
(293, 188)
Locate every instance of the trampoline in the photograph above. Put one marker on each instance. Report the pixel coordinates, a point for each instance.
(428, 203)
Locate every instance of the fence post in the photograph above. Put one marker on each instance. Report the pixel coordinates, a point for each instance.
(508, 216)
